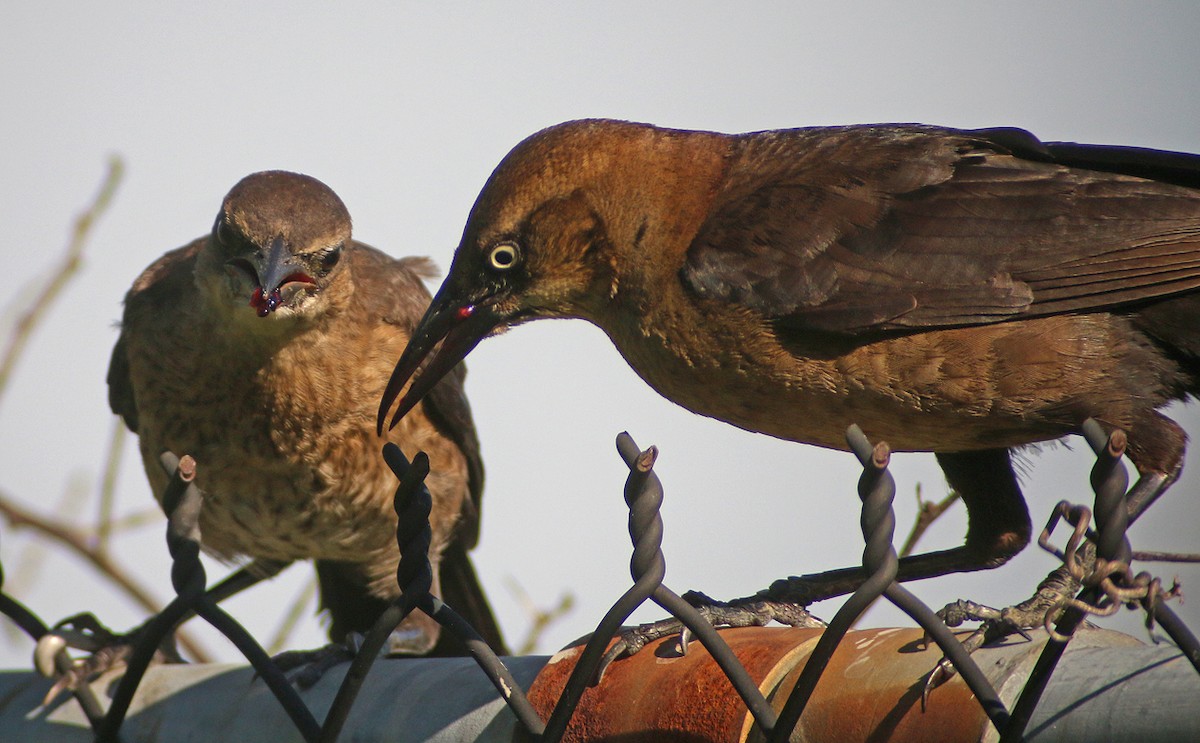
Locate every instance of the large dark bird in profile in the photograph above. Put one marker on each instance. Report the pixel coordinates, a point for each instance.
(261, 350)
(956, 291)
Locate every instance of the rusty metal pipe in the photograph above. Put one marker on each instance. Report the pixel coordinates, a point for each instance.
(1109, 686)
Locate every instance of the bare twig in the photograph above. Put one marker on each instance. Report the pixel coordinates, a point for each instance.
(33, 557)
(108, 485)
(27, 323)
(77, 541)
(146, 517)
(539, 619)
(1150, 556)
(293, 616)
(927, 512)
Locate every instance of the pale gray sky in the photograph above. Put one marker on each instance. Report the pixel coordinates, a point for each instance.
(404, 109)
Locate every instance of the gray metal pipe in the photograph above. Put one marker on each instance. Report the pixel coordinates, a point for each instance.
(447, 700)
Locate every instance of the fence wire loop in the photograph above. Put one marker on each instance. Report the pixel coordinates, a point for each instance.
(1099, 593)
(1114, 582)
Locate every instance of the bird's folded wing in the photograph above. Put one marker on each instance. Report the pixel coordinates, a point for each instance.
(861, 229)
(157, 287)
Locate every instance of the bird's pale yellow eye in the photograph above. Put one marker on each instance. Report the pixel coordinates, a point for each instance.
(503, 256)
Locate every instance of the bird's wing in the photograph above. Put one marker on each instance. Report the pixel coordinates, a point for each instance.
(877, 228)
(120, 388)
(156, 287)
(395, 288)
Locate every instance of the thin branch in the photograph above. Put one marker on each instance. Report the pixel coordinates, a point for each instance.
(33, 557)
(146, 517)
(292, 617)
(77, 542)
(539, 619)
(27, 323)
(108, 485)
(927, 512)
(1150, 556)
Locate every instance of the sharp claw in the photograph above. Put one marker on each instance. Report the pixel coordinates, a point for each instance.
(685, 639)
(66, 682)
(307, 677)
(619, 648)
(941, 673)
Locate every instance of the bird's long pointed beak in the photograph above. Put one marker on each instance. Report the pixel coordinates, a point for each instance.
(459, 328)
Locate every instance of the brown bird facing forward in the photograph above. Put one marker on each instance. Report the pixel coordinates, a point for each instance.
(261, 350)
(962, 292)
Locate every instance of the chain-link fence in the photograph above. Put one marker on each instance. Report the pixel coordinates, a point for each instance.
(1097, 556)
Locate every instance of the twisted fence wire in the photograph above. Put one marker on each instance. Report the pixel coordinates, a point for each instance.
(182, 502)
(1109, 584)
(415, 576)
(644, 494)
(33, 626)
(1109, 481)
(877, 489)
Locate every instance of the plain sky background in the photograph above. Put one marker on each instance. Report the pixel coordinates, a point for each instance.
(404, 110)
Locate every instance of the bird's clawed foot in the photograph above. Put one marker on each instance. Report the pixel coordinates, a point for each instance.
(107, 650)
(746, 612)
(307, 667)
(997, 624)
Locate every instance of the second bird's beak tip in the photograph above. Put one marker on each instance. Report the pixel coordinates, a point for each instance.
(383, 416)
(424, 363)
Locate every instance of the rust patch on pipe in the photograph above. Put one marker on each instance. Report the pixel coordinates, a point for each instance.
(871, 691)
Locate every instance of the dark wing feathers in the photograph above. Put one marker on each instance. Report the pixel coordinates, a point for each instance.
(120, 388)
(159, 285)
(860, 229)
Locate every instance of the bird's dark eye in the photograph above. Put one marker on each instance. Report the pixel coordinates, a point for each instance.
(503, 256)
(330, 257)
(221, 231)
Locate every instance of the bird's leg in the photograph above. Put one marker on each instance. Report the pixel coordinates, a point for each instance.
(744, 612)
(963, 475)
(109, 650)
(1156, 447)
(309, 666)
(354, 603)
(998, 527)
(1157, 452)
(412, 638)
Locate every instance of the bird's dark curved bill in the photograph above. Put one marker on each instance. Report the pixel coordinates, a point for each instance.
(459, 330)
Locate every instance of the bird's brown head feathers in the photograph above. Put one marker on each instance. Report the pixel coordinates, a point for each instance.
(276, 245)
(551, 230)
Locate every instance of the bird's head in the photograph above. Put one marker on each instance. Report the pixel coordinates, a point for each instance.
(276, 245)
(550, 235)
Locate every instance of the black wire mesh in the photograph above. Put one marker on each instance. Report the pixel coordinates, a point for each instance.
(1098, 559)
